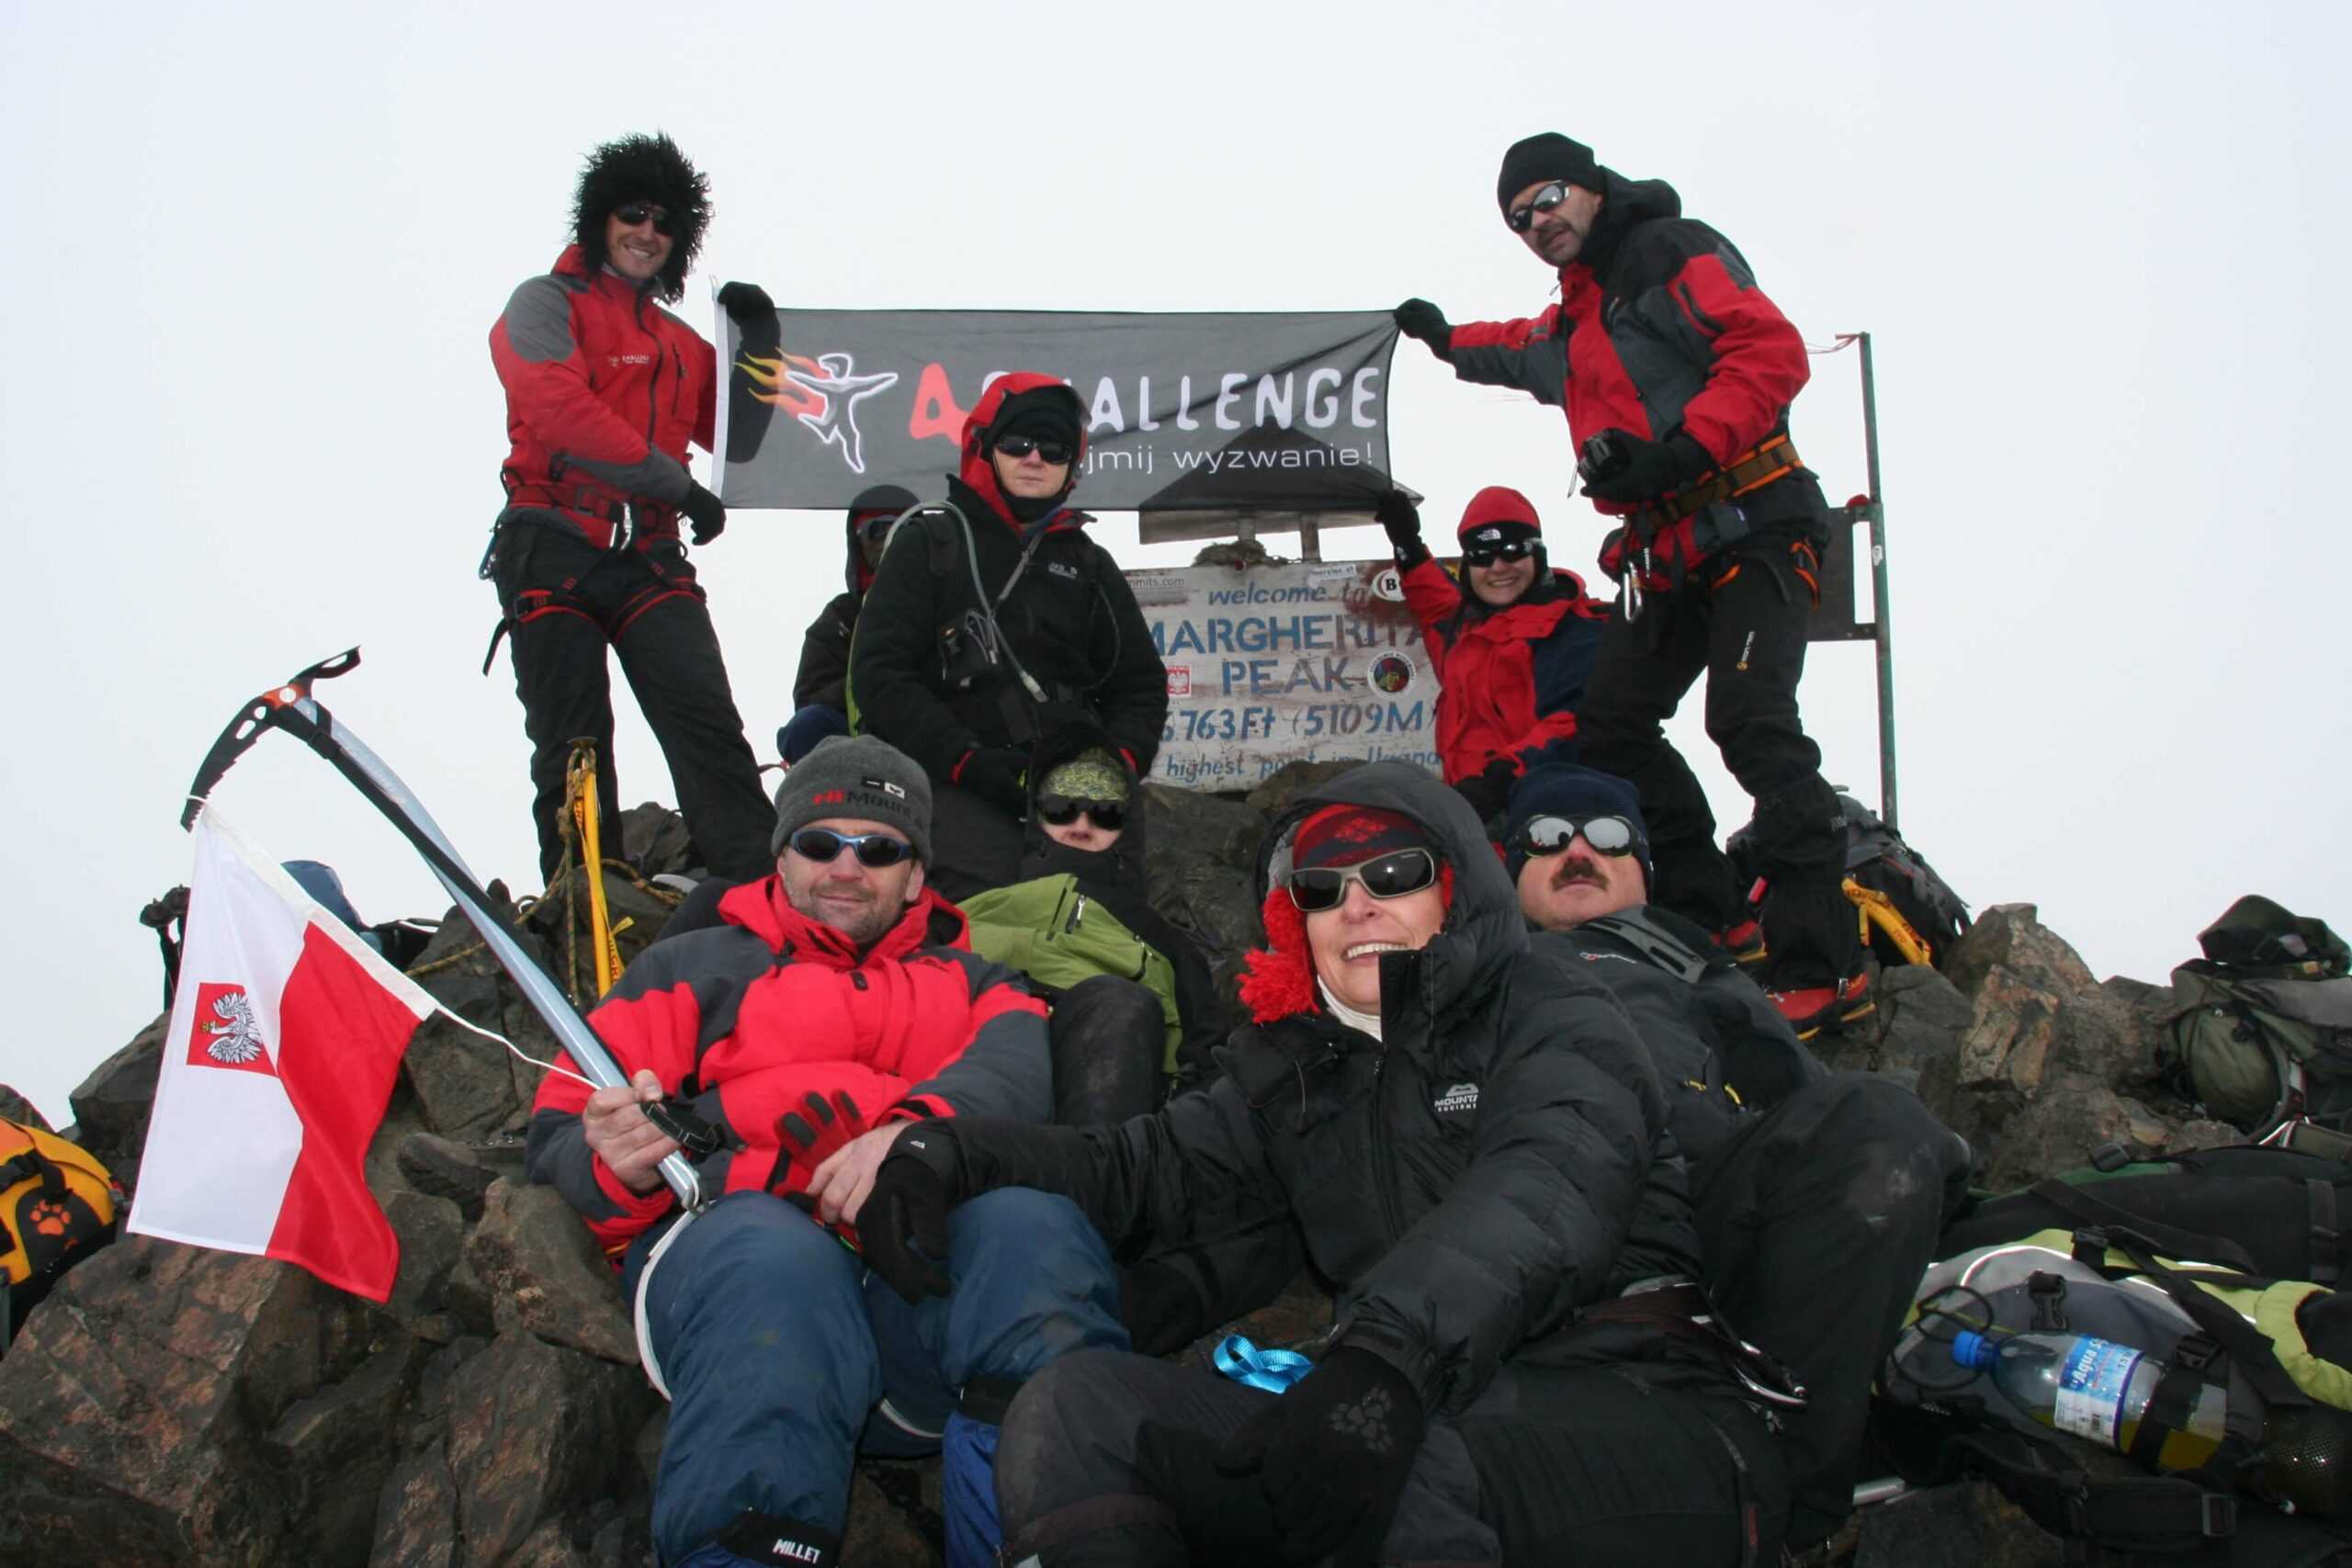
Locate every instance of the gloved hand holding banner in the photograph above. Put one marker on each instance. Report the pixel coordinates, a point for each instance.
(1185, 411)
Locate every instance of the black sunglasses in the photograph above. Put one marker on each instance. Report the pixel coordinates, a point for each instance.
(1550, 197)
(1386, 877)
(874, 850)
(1550, 834)
(1061, 810)
(1021, 445)
(637, 212)
(1487, 555)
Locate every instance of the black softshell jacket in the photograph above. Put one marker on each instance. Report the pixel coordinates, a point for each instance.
(1069, 618)
(1501, 1162)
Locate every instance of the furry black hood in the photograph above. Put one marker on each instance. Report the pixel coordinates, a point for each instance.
(643, 168)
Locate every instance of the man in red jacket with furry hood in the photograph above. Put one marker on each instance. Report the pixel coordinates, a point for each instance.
(603, 391)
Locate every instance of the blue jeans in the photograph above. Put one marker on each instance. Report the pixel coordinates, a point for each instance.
(783, 1355)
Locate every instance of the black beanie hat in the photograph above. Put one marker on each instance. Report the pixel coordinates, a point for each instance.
(1047, 414)
(1559, 789)
(643, 168)
(1550, 156)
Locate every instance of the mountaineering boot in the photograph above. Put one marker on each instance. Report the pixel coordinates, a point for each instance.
(1743, 942)
(1812, 1008)
(762, 1539)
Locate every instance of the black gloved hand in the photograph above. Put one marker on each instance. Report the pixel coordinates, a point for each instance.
(903, 1225)
(705, 511)
(995, 773)
(811, 1136)
(1420, 318)
(1332, 1454)
(746, 303)
(1653, 469)
(1488, 792)
(1401, 520)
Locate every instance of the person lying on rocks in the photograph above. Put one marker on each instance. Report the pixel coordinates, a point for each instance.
(1474, 1147)
(833, 1007)
(1799, 1177)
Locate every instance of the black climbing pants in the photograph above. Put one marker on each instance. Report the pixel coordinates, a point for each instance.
(1107, 1457)
(1740, 620)
(566, 602)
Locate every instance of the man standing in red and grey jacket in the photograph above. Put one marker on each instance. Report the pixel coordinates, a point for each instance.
(603, 391)
(836, 1003)
(1676, 374)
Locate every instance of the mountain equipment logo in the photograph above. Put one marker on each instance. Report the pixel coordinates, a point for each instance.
(885, 786)
(822, 393)
(1461, 1097)
(228, 1031)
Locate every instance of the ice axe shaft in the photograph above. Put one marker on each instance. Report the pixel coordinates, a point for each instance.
(291, 707)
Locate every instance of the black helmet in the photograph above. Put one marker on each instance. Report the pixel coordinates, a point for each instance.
(643, 168)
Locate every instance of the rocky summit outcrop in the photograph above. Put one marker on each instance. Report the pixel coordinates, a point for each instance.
(171, 1405)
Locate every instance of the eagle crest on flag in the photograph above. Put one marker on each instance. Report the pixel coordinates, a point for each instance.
(236, 1039)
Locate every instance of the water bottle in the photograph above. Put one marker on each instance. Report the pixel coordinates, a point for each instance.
(2100, 1390)
(2093, 1389)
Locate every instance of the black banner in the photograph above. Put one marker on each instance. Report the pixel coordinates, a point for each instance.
(1186, 411)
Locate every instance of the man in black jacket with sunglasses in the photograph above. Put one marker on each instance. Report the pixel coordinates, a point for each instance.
(1677, 395)
(1818, 1197)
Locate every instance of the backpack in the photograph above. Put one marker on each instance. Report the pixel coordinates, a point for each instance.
(2282, 1347)
(2279, 1212)
(1057, 936)
(58, 1205)
(2261, 1030)
(1908, 913)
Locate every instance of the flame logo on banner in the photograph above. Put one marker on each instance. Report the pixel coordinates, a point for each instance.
(822, 393)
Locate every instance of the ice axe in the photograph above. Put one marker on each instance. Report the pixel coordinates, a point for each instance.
(291, 707)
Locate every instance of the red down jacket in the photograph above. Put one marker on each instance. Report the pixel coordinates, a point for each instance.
(1509, 680)
(743, 1020)
(603, 389)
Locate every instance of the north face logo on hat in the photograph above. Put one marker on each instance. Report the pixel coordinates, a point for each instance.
(1460, 1098)
(885, 786)
(1488, 535)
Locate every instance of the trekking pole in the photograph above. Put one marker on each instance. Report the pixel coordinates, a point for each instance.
(1881, 619)
(291, 707)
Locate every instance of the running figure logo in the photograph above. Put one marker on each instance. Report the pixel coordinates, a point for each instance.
(822, 393)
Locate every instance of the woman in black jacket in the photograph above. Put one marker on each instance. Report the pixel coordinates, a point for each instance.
(1471, 1144)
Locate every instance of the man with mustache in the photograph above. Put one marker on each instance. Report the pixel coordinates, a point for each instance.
(1818, 1197)
(1676, 374)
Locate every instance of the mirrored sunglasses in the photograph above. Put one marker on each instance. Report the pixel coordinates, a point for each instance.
(1061, 810)
(1021, 445)
(637, 212)
(1550, 834)
(1487, 555)
(1550, 197)
(874, 850)
(1384, 876)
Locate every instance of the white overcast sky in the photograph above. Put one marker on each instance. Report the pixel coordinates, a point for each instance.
(252, 252)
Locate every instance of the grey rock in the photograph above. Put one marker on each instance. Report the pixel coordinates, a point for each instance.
(2060, 1127)
(546, 1275)
(1966, 1524)
(16, 1108)
(417, 1513)
(141, 1410)
(1201, 865)
(540, 1429)
(443, 1167)
(111, 1106)
(431, 1231)
(1289, 781)
(893, 1518)
(561, 920)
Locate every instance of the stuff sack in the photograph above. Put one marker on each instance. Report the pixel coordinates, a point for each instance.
(2261, 1028)
(58, 1205)
(1057, 936)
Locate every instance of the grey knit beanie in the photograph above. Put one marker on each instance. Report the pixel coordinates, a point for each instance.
(855, 776)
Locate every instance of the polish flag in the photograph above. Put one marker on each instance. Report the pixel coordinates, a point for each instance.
(285, 1035)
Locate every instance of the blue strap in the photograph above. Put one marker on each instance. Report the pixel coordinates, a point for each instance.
(1272, 1371)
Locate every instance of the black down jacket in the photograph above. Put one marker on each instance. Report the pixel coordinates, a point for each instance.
(1502, 1161)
